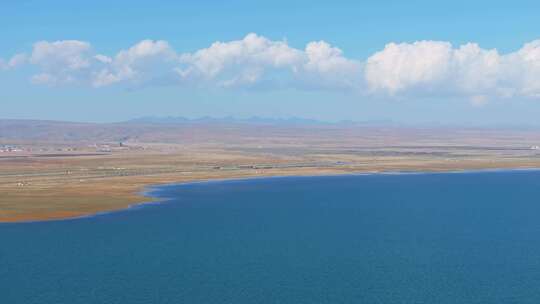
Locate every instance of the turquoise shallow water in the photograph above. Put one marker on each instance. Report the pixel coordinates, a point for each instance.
(412, 238)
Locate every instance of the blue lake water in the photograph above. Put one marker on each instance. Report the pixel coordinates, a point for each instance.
(411, 238)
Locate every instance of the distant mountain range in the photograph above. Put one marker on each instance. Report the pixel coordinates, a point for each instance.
(205, 129)
(156, 129)
(255, 120)
(207, 119)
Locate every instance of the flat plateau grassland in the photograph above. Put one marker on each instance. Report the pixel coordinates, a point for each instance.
(47, 186)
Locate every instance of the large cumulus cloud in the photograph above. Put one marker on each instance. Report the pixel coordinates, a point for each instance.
(435, 67)
(432, 68)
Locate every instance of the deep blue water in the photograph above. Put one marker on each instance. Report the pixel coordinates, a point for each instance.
(412, 238)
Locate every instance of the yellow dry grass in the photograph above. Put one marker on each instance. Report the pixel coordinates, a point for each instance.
(46, 188)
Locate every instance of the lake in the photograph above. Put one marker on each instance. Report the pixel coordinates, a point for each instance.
(384, 238)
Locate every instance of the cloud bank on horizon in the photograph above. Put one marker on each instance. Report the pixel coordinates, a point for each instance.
(398, 71)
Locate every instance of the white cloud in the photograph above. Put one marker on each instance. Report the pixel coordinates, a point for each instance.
(13, 62)
(479, 100)
(17, 60)
(141, 62)
(524, 68)
(474, 69)
(239, 62)
(43, 78)
(401, 66)
(65, 61)
(103, 58)
(330, 68)
(436, 67)
(74, 62)
(104, 78)
(405, 70)
(255, 59)
(66, 54)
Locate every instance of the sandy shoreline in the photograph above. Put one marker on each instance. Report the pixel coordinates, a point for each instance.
(146, 198)
(77, 182)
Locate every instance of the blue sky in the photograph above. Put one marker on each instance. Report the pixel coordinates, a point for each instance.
(406, 61)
